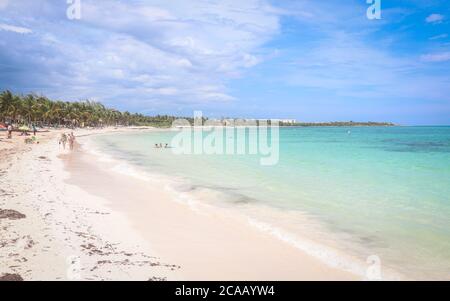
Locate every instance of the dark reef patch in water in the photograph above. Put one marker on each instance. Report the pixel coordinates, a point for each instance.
(220, 188)
(230, 194)
(240, 199)
(372, 241)
(396, 145)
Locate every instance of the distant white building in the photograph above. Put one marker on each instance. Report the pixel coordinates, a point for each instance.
(287, 121)
(234, 122)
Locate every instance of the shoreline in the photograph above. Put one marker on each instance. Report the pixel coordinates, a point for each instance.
(257, 248)
(154, 237)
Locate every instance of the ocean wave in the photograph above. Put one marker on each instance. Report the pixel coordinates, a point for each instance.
(326, 255)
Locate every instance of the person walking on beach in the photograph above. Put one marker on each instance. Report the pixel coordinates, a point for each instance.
(71, 140)
(63, 140)
(34, 130)
(10, 129)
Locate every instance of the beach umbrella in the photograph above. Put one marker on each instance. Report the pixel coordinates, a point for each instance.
(24, 128)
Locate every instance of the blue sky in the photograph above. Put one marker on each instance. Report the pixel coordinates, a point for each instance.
(316, 60)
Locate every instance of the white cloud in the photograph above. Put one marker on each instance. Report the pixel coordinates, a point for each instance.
(3, 4)
(163, 91)
(434, 18)
(441, 36)
(436, 57)
(155, 49)
(216, 96)
(353, 68)
(16, 29)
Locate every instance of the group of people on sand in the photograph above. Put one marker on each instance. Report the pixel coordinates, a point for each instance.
(161, 145)
(23, 132)
(67, 138)
(32, 140)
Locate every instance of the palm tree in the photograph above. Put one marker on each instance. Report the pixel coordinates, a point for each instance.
(41, 110)
(27, 108)
(8, 105)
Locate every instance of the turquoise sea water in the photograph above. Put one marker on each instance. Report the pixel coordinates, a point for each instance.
(381, 191)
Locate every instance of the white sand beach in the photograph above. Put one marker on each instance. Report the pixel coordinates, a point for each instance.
(64, 216)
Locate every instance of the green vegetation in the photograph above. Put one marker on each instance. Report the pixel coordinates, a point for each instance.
(39, 110)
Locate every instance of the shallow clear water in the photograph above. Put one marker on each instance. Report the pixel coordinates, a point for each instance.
(381, 191)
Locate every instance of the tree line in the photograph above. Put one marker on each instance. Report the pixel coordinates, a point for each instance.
(337, 124)
(41, 111)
